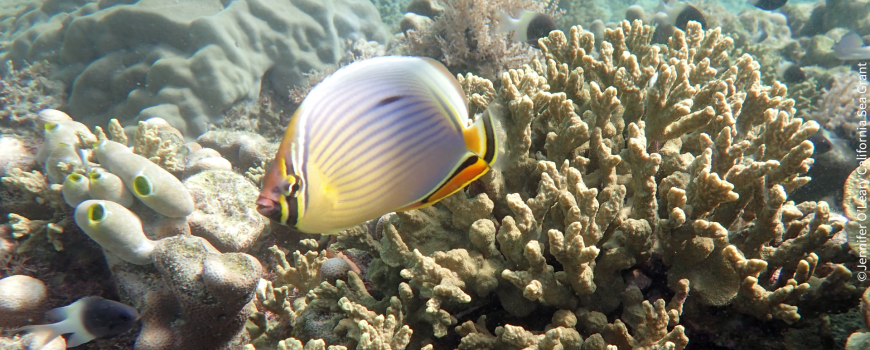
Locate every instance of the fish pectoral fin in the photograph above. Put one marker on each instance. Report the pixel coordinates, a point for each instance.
(469, 170)
(480, 138)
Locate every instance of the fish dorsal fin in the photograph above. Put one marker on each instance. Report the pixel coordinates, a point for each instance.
(58, 314)
(459, 115)
(849, 41)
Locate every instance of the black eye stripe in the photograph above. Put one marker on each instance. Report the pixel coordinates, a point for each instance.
(292, 189)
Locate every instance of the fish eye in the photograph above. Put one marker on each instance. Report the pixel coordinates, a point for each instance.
(290, 188)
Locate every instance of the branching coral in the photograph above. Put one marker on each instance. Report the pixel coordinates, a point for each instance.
(639, 161)
(25, 91)
(304, 276)
(156, 140)
(463, 38)
(642, 155)
(272, 300)
(373, 331)
(561, 335)
(24, 189)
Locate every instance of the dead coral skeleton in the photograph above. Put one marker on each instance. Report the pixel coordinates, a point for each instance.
(32, 187)
(462, 36)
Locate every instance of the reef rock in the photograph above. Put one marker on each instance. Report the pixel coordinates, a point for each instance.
(23, 299)
(225, 212)
(185, 62)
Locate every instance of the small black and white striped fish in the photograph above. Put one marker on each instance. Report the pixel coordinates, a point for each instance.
(381, 135)
(86, 319)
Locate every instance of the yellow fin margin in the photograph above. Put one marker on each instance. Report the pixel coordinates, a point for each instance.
(480, 138)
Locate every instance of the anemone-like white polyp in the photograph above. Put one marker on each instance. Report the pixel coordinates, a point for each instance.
(75, 189)
(108, 186)
(116, 229)
(153, 185)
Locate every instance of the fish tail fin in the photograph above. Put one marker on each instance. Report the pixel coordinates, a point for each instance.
(496, 117)
(505, 24)
(42, 334)
(481, 139)
(46, 333)
(502, 20)
(663, 6)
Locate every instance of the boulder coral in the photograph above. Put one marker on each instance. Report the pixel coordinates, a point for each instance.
(185, 61)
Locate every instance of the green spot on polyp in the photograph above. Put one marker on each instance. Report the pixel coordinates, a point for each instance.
(96, 212)
(50, 126)
(141, 185)
(74, 177)
(94, 175)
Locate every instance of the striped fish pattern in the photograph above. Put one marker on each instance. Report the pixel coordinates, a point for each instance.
(380, 135)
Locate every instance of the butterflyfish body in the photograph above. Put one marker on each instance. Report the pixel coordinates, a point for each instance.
(86, 319)
(851, 47)
(380, 135)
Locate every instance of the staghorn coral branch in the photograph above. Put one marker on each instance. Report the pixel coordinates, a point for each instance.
(305, 275)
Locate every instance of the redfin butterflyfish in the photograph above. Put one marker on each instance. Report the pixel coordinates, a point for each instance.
(380, 135)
